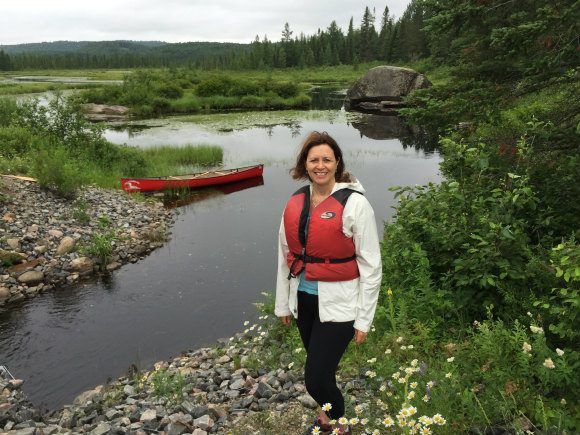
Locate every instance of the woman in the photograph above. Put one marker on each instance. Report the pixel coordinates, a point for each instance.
(329, 268)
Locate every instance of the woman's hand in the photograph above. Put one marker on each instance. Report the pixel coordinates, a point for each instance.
(286, 320)
(359, 336)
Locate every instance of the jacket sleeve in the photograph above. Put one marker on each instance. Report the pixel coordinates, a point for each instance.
(282, 282)
(360, 219)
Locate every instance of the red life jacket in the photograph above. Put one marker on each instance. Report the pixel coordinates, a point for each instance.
(323, 251)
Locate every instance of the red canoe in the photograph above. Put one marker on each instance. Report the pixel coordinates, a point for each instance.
(191, 181)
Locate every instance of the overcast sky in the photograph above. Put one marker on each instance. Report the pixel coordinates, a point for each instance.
(176, 20)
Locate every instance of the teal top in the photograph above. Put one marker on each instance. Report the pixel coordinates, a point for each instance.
(306, 286)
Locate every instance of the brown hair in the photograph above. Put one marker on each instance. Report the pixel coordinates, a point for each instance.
(298, 172)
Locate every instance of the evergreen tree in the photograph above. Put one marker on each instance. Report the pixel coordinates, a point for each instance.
(368, 36)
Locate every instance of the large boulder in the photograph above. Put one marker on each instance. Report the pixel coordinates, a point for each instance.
(383, 88)
(103, 112)
(66, 245)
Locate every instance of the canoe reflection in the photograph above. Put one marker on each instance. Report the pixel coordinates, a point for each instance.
(179, 198)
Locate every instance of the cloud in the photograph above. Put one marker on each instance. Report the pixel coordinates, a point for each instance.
(176, 20)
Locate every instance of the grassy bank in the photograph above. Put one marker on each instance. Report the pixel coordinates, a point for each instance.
(56, 145)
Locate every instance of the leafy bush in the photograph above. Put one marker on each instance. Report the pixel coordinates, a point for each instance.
(56, 170)
(7, 111)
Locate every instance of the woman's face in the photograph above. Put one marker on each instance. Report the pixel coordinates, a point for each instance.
(321, 165)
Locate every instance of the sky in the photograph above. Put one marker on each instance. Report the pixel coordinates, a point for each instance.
(23, 21)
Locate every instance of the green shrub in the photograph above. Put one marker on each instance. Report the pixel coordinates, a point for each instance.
(17, 141)
(187, 104)
(55, 169)
(7, 111)
(219, 85)
(169, 90)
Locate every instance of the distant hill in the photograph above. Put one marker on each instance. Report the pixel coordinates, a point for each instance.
(84, 54)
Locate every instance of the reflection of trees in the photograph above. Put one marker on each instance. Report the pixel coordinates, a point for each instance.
(325, 98)
(380, 127)
(295, 128)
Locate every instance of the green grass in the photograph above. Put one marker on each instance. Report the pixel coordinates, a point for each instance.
(34, 88)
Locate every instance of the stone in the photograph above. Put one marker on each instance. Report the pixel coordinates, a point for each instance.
(129, 390)
(204, 422)
(101, 429)
(238, 384)
(13, 244)
(86, 396)
(307, 401)
(66, 245)
(148, 415)
(199, 431)
(57, 234)
(114, 265)
(41, 249)
(264, 391)
(175, 428)
(384, 84)
(25, 431)
(4, 294)
(83, 265)
(224, 359)
(10, 257)
(32, 277)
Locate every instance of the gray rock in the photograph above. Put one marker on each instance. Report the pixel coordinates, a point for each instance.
(101, 429)
(175, 428)
(199, 431)
(4, 294)
(204, 422)
(264, 391)
(32, 277)
(25, 431)
(13, 243)
(384, 84)
(148, 415)
(129, 390)
(57, 234)
(66, 245)
(308, 401)
(83, 265)
(238, 384)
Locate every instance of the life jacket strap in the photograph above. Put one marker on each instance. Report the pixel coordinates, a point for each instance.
(310, 259)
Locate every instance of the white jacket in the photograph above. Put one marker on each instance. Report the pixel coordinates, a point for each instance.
(341, 301)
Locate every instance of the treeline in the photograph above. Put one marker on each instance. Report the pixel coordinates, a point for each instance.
(109, 54)
(395, 40)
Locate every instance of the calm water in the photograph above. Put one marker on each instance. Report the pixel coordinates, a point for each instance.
(201, 285)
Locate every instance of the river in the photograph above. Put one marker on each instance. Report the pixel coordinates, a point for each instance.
(201, 285)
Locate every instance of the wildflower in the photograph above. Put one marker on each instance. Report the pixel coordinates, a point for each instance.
(549, 363)
(246, 323)
(265, 317)
(412, 410)
(372, 360)
(439, 420)
(332, 422)
(450, 359)
(476, 324)
(414, 362)
(246, 331)
(430, 384)
(298, 350)
(409, 370)
(316, 430)
(410, 346)
(414, 384)
(389, 291)
(263, 333)
(560, 352)
(425, 431)
(389, 393)
(527, 347)
(291, 365)
(382, 388)
(252, 327)
(448, 375)
(403, 347)
(376, 432)
(353, 421)
(529, 314)
(373, 329)
(563, 401)
(358, 409)
(370, 374)
(425, 398)
(326, 407)
(343, 421)
(336, 430)
(388, 351)
(396, 375)
(411, 395)
(426, 421)
(536, 329)
(364, 421)
(401, 422)
(402, 380)
(399, 340)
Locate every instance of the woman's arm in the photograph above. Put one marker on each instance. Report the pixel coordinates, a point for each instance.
(359, 219)
(282, 308)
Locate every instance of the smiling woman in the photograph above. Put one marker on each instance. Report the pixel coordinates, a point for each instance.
(329, 269)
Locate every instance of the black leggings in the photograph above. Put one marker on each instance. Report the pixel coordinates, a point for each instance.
(325, 343)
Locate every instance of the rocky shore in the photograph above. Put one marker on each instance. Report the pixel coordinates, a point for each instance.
(46, 241)
(209, 390)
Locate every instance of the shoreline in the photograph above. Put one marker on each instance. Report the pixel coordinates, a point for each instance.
(47, 242)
